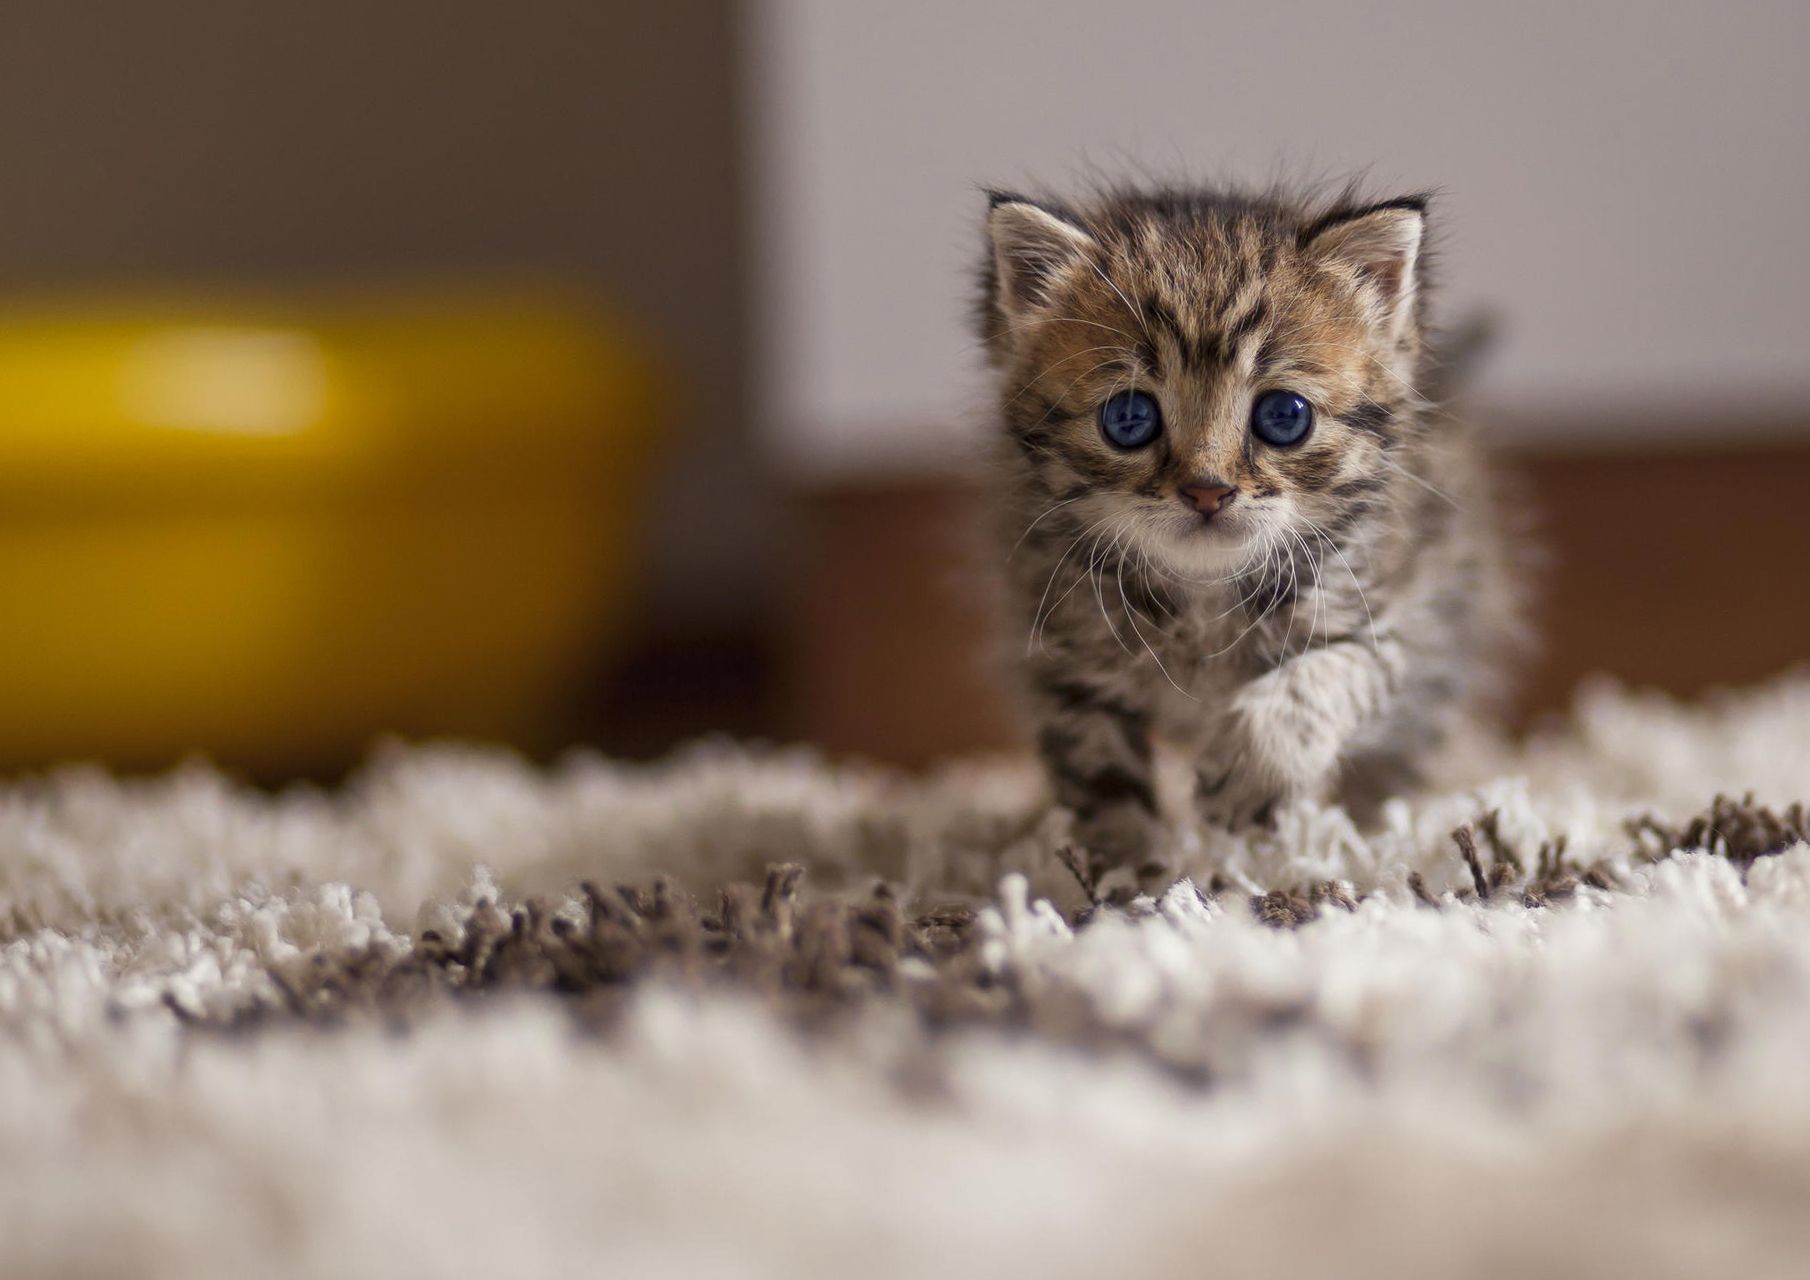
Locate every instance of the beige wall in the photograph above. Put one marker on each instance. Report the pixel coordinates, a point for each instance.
(1626, 182)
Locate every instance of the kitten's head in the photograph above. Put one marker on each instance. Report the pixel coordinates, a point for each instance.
(1209, 379)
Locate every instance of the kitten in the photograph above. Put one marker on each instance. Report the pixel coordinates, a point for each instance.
(1235, 516)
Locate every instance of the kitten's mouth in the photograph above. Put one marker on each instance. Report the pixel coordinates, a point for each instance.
(1217, 528)
(1205, 547)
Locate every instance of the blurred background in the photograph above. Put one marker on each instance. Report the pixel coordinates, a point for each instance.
(577, 372)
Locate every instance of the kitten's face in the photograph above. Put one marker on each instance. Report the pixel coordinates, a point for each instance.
(1213, 389)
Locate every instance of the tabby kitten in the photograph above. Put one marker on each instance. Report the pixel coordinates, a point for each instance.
(1235, 514)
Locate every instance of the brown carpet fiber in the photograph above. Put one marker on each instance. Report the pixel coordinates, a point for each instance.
(749, 1013)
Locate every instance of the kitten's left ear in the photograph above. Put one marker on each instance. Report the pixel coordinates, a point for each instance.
(1382, 241)
(1032, 245)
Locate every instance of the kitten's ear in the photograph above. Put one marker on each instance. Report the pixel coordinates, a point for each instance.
(1382, 241)
(1031, 246)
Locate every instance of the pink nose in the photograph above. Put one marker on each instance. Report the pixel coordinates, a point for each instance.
(1207, 497)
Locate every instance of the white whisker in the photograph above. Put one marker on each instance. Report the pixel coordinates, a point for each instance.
(1040, 618)
(1131, 616)
(1100, 598)
(1369, 617)
(1048, 511)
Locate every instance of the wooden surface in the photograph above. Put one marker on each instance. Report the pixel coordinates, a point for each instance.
(1680, 569)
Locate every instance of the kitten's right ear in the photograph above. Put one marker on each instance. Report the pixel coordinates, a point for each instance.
(1031, 247)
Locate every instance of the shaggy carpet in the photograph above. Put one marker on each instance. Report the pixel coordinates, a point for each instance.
(747, 1013)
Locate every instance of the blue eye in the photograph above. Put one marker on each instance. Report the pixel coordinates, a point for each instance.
(1130, 420)
(1281, 418)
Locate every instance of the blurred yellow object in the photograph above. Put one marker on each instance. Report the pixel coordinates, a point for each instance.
(266, 533)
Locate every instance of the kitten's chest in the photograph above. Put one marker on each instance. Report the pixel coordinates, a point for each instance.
(1198, 656)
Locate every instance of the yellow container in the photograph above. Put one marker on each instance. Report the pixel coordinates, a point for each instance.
(268, 533)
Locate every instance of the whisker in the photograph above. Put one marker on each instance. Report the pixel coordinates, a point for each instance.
(1319, 593)
(1040, 618)
(1081, 575)
(1414, 394)
(1100, 598)
(1056, 401)
(1048, 511)
(1030, 322)
(1136, 311)
(1030, 383)
(1244, 603)
(1431, 488)
(1369, 617)
(1131, 616)
(1294, 595)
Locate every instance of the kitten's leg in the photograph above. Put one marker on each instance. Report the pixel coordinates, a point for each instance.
(1288, 730)
(1094, 736)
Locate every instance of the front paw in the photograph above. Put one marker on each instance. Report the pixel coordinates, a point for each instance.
(1234, 797)
(1121, 836)
(1257, 767)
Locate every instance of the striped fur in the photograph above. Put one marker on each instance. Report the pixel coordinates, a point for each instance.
(1320, 635)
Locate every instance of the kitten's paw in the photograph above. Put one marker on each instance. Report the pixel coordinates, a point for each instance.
(1241, 788)
(1118, 838)
(1272, 752)
(1234, 799)
(1227, 788)
(1287, 734)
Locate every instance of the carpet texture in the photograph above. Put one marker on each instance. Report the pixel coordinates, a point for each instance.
(747, 1013)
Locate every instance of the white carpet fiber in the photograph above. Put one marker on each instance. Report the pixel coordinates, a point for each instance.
(1607, 1074)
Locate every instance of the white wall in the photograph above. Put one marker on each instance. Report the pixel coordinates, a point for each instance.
(1627, 182)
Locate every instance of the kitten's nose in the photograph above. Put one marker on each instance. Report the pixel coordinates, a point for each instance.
(1209, 497)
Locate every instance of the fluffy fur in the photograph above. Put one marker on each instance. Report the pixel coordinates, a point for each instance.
(1344, 612)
